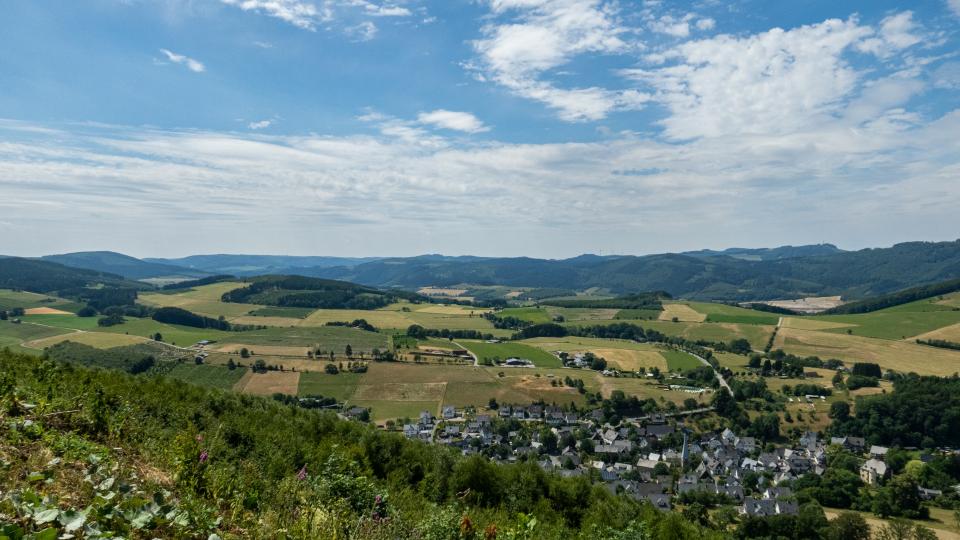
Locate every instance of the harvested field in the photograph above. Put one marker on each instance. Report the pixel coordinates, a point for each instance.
(948, 333)
(100, 340)
(256, 320)
(803, 323)
(269, 383)
(381, 411)
(682, 312)
(901, 356)
(461, 311)
(400, 391)
(46, 311)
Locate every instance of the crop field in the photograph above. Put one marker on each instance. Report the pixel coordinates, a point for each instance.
(812, 323)
(400, 391)
(530, 314)
(452, 310)
(900, 322)
(71, 321)
(182, 336)
(327, 338)
(948, 333)
(588, 314)
(383, 410)
(901, 356)
(381, 318)
(734, 362)
(207, 375)
(637, 314)
(100, 340)
(504, 351)
(340, 386)
(680, 361)
(722, 313)
(682, 312)
(269, 350)
(269, 383)
(12, 335)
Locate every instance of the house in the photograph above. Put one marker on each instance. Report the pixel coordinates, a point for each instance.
(854, 444)
(426, 419)
(873, 471)
(356, 413)
(929, 494)
(659, 501)
(505, 411)
(411, 431)
(878, 452)
(449, 412)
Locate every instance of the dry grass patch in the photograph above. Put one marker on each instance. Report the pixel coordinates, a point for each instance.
(802, 323)
(682, 312)
(45, 311)
(100, 340)
(400, 391)
(948, 333)
(269, 383)
(267, 321)
(452, 310)
(267, 350)
(897, 355)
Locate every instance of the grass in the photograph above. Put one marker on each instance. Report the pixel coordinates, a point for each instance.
(327, 338)
(204, 300)
(12, 299)
(502, 351)
(288, 312)
(621, 354)
(637, 314)
(207, 375)
(269, 383)
(340, 386)
(583, 314)
(181, 336)
(100, 340)
(383, 410)
(680, 361)
(900, 322)
(12, 335)
(903, 356)
(530, 314)
(681, 312)
(63, 321)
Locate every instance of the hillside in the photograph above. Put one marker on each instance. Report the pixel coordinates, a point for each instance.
(852, 274)
(123, 265)
(768, 254)
(306, 292)
(50, 277)
(253, 265)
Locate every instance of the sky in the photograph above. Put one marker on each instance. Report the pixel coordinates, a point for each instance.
(543, 128)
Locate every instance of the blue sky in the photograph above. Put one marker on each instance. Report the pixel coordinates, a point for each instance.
(492, 127)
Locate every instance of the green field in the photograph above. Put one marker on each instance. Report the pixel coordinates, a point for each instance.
(13, 299)
(71, 322)
(181, 336)
(291, 312)
(530, 314)
(637, 314)
(898, 322)
(722, 313)
(680, 361)
(12, 335)
(503, 351)
(340, 386)
(206, 375)
(334, 338)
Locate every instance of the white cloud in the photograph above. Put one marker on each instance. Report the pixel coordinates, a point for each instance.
(193, 65)
(954, 6)
(261, 124)
(540, 35)
(453, 120)
(380, 10)
(364, 31)
(300, 13)
(706, 24)
(263, 44)
(778, 81)
(672, 26)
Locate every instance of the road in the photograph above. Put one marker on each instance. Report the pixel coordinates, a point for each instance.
(723, 382)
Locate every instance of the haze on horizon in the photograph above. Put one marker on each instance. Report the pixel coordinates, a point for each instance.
(545, 128)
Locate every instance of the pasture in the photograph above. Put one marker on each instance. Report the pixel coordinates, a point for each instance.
(681, 312)
(12, 335)
(326, 338)
(204, 300)
(530, 314)
(620, 354)
(503, 351)
(899, 322)
(340, 386)
(10, 299)
(282, 312)
(903, 356)
(100, 340)
(680, 361)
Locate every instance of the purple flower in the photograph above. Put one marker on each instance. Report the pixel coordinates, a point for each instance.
(377, 500)
(302, 475)
(204, 456)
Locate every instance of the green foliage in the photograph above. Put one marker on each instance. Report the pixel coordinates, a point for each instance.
(898, 298)
(648, 301)
(299, 291)
(182, 317)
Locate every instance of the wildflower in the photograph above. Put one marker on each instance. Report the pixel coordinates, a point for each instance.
(302, 475)
(204, 456)
(199, 438)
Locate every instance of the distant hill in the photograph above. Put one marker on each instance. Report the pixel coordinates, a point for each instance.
(768, 254)
(49, 277)
(255, 265)
(123, 265)
(300, 291)
(851, 274)
(905, 296)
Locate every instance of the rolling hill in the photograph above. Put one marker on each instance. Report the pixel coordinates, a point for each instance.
(123, 265)
(49, 277)
(254, 265)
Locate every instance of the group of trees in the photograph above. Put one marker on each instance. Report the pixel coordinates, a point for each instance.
(300, 291)
(175, 315)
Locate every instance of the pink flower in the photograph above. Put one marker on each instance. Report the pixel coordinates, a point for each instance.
(204, 456)
(377, 500)
(302, 475)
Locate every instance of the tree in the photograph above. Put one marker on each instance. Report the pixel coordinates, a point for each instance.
(349, 351)
(839, 411)
(848, 526)
(867, 369)
(87, 311)
(244, 353)
(837, 379)
(158, 337)
(231, 365)
(740, 346)
(765, 427)
(3, 315)
(331, 369)
(492, 404)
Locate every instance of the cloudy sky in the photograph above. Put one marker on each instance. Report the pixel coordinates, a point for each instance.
(546, 128)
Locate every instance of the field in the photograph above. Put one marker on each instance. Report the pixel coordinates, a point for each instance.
(901, 356)
(269, 383)
(340, 386)
(948, 333)
(327, 338)
(529, 314)
(63, 321)
(13, 299)
(12, 335)
(681, 312)
(283, 312)
(206, 375)
(680, 361)
(100, 340)
(621, 354)
(503, 351)
(204, 300)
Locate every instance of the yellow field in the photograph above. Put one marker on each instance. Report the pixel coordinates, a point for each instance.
(378, 318)
(802, 323)
(269, 383)
(100, 340)
(45, 311)
(682, 312)
(622, 354)
(952, 300)
(204, 300)
(948, 333)
(267, 321)
(441, 309)
(897, 355)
